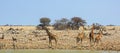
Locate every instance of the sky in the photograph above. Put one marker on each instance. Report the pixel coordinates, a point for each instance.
(28, 12)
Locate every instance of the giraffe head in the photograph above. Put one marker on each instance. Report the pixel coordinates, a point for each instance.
(93, 26)
(101, 32)
(45, 28)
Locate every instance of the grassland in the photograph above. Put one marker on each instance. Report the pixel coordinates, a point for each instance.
(30, 38)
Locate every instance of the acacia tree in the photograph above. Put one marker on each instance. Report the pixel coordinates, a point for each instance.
(61, 24)
(77, 21)
(45, 21)
(64, 21)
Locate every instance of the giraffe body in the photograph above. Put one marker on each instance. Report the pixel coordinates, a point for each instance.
(50, 36)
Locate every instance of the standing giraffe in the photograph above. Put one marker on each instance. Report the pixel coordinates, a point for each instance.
(1, 29)
(80, 36)
(14, 41)
(2, 36)
(2, 39)
(91, 35)
(99, 36)
(50, 36)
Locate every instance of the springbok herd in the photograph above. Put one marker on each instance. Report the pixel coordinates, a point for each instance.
(28, 37)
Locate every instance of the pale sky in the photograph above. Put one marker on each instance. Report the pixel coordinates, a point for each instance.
(28, 12)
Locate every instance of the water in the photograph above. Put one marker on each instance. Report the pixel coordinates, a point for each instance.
(54, 51)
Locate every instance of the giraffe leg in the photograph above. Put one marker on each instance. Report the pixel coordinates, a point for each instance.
(55, 43)
(95, 41)
(13, 45)
(81, 40)
(77, 40)
(50, 44)
(90, 39)
(98, 41)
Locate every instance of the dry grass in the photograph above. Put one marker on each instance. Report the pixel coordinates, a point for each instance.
(66, 39)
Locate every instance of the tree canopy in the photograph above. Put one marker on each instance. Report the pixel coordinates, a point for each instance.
(64, 23)
(78, 21)
(45, 20)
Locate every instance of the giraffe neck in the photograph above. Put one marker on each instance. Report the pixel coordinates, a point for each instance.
(92, 30)
(47, 32)
(83, 29)
(2, 36)
(100, 32)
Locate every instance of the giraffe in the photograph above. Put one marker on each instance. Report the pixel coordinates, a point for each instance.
(91, 35)
(80, 36)
(1, 29)
(2, 36)
(50, 36)
(2, 40)
(99, 36)
(14, 41)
